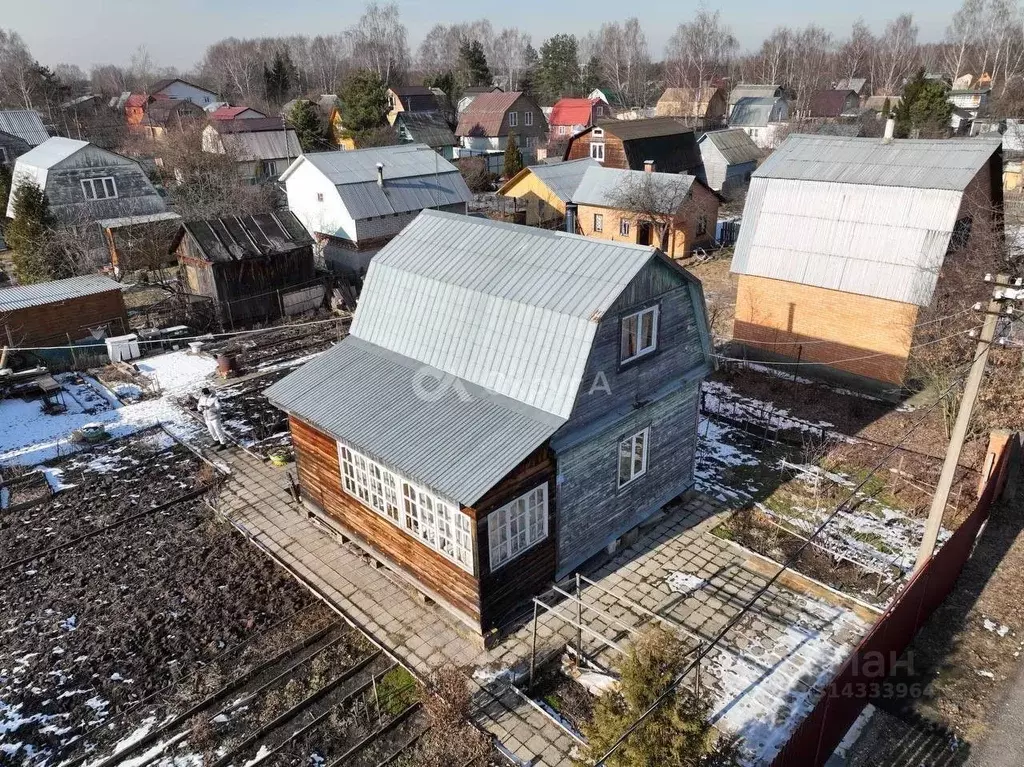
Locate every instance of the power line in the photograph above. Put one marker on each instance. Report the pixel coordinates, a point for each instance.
(702, 652)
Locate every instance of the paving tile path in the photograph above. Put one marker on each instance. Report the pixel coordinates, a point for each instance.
(674, 570)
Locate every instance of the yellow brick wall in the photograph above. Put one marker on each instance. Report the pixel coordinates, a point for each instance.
(784, 318)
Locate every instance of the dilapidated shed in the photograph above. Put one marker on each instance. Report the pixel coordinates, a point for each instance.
(253, 267)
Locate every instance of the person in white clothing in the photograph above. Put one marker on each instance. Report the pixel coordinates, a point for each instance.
(209, 406)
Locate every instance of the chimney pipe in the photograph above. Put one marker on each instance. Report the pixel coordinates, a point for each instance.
(649, 166)
(380, 175)
(890, 128)
(570, 218)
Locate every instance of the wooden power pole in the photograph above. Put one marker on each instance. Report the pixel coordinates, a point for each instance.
(963, 420)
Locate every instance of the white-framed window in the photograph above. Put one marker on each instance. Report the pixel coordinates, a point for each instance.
(513, 119)
(623, 227)
(102, 188)
(531, 141)
(633, 457)
(597, 151)
(563, 129)
(436, 522)
(268, 168)
(599, 110)
(527, 118)
(597, 133)
(517, 526)
(639, 333)
(598, 222)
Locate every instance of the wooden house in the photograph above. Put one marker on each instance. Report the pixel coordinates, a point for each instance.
(86, 184)
(751, 91)
(763, 119)
(843, 242)
(629, 144)
(485, 125)
(858, 85)
(674, 212)
(252, 267)
(242, 113)
(730, 158)
(353, 203)
(832, 104)
(468, 94)
(135, 109)
(417, 99)
(62, 311)
(457, 434)
(545, 190)
(11, 148)
(169, 115)
(263, 146)
(707, 103)
(570, 116)
(176, 88)
(428, 128)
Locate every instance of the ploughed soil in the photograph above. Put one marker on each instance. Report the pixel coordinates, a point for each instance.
(88, 632)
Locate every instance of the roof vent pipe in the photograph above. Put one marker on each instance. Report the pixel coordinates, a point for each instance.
(380, 175)
(649, 166)
(890, 129)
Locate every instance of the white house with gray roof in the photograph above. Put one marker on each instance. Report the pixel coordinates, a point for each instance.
(510, 402)
(844, 241)
(730, 158)
(762, 118)
(355, 202)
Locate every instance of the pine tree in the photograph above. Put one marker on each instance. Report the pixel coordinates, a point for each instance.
(28, 235)
(474, 63)
(558, 73)
(277, 79)
(364, 103)
(305, 119)
(448, 84)
(924, 107)
(513, 157)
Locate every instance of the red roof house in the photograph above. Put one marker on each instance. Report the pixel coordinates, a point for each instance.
(235, 113)
(135, 108)
(570, 116)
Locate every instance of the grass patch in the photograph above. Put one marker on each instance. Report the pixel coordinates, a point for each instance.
(396, 691)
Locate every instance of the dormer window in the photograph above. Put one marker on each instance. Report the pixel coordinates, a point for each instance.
(99, 188)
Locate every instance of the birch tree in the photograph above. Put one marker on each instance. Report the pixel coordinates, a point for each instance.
(854, 55)
(624, 60)
(699, 50)
(896, 54)
(509, 60)
(17, 70)
(379, 42)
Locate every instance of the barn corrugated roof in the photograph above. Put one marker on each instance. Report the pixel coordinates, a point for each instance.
(857, 215)
(561, 178)
(735, 145)
(262, 144)
(751, 112)
(24, 296)
(611, 188)
(24, 124)
(855, 84)
(572, 111)
(415, 177)
(477, 333)
(749, 90)
(237, 238)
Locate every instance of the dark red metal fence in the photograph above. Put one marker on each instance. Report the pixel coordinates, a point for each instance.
(869, 665)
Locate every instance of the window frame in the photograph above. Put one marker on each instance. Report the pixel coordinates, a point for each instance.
(637, 332)
(598, 222)
(527, 119)
(513, 119)
(624, 227)
(90, 183)
(597, 133)
(529, 142)
(563, 130)
(597, 148)
(645, 434)
(420, 513)
(501, 520)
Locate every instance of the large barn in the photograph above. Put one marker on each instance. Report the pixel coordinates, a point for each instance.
(509, 403)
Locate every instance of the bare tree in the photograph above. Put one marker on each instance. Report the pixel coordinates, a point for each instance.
(509, 58)
(774, 59)
(17, 70)
(962, 37)
(699, 51)
(108, 79)
(379, 42)
(659, 200)
(896, 54)
(625, 60)
(235, 67)
(811, 61)
(854, 55)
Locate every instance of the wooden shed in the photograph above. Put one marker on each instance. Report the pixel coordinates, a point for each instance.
(62, 311)
(253, 267)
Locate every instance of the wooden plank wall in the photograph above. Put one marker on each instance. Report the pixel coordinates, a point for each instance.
(614, 152)
(51, 324)
(316, 456)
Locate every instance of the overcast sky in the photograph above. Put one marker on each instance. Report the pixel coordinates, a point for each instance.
(176, 32)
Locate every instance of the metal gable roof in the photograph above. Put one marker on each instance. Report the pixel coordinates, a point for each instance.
(25, 124)
(24, 296)
(509, 308)
(51, 152)
(735, 145)
(753, 112)
(917, 163)
(747, 90)
(427, 128)
(561, 178)
(606, 187)
(486, 114)
(264, 144)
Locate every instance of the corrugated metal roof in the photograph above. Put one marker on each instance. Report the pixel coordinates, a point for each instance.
(236, 238)
(486, 114)
(751, 112)
(24, 124)
(855, 84)
(569, 111)
(829, 103)
(460, 442)
(510, 308)
(427, 128)
(882, 241)
(614, 188)
(51, 152)
(748, 90)
(736, 146)
(24, 296)
(145, 218)
(415, 177)
(561, 178)
(264, 144)
(917, 163)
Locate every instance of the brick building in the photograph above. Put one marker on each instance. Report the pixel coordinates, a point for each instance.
(843, 244)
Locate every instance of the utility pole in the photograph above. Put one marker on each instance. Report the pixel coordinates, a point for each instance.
(963, 419)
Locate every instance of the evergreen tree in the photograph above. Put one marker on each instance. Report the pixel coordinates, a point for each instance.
(448, 84)
(527, 80)
(364, 103)
(513, 157)
(474, 63)
(277, 79)
(305, 119)
(558, 72)
(924, 107)
(676, 734)
(28, 235)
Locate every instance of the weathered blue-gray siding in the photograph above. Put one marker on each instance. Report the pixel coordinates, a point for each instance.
(616, 401)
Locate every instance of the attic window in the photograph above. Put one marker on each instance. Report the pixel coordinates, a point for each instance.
(639, 334)
(527, 118)
(597, 133)
(513, 119)
(99, 188)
